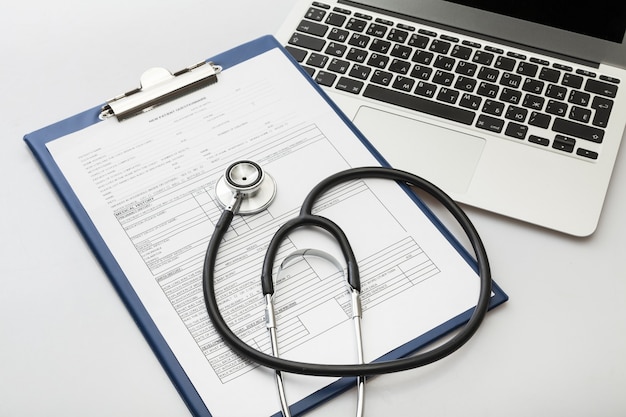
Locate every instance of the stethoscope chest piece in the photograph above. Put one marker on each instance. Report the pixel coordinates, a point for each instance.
(248, 179)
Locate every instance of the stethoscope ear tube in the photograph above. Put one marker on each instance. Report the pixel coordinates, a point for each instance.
(353, 370)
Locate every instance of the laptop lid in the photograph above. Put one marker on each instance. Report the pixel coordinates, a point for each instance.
(591, 33)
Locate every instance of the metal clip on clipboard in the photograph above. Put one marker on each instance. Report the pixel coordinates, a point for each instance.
(158, 86)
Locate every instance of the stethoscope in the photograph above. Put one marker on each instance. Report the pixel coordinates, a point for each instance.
(246, 189)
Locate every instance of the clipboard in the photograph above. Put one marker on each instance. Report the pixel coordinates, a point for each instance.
(158, 86)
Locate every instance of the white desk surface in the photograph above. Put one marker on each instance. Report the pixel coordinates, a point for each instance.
(68, 346)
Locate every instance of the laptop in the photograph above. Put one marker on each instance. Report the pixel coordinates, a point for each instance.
(517, 108)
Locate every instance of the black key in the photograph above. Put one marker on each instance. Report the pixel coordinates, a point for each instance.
(556, 108)
(466, 68)
(563, 143)
(483, 58)
(403, 83)
(538, 140)
(516, 113)
(420, 71)
(533, 102)
(382, 77)
(398, 35)
(356, 55)
(336, 19)
(487, 89)
(356, 25)
(510, 80)
(338, 35)
(443, 78)
(425, 89)
(315, 14)
(470, 101)
(448, 95)
(527, 69)
(401, 51)
(587, 153)
(599, 87)
(400, 66)
(556, 91)
(439, 46)
(571, 80)
(549, 74)
(336, 49)
(312, 28)
(493, 107)
(418, 41)
(307, 42)
(325, 78)
(579, 114)
(298, 54)
(359, 40)
(349, 85)
(381, 46)
(444, 62)
(377, 30)
(465, 84)
(539, 119)
(419, 104)
(568, 127)
(490, 123)
(461, 52)
(422, 57)
(510, 96)
(579, 97)
(504, 63)
(317, 60)
(377, 60)
(338, 65)
(360, 71)
(603, 107)
(488, 74)
(533, 86)
(516, 130)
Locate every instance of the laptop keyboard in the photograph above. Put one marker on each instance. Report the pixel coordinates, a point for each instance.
(528, 98)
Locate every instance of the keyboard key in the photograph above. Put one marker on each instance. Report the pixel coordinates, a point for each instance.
(349, 85)
(307, 42)
(356, 55)
(378, 60)
(421, 71)
(579, 114)
(533, 102)
(488, 89)
(382, 77)
(425, 89)
(470, 101)
(400, 66)
(533, 86)
(556, 91)
(579, 97)
(493, 107)
(317, 60)
(357, 25)
(358, 40)
(539, 119)
(578, 130)
(444, 62)
(448, 95)
(527, 69)
(488, 74)
(403, 83)
(539, 140)
(599, 87)
(603, 107)
(315, 14)
(312, 28)
(466, 68)
(422, 57)
(335, 49)
(443, 78)
(504, 63)
(586, 153)
(564, 143)
(516, 130)
(490, 123)
(510, 96)
(338, 35)
(296, 53)
(401, 51)
(398, 35)
(377, 30)
(419, 41)
(338, 65)
(360, 71)
(516, 113)
(557, 108)
(336, 19)
(325, 78)
(571, 80)
(439, 46)
(484, 58)
(549, 74)
(419, 104)
(510, 80)
(461, 52)
(465, 84)
(380, 46)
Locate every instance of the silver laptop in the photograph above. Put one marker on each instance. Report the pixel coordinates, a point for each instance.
(515, 107)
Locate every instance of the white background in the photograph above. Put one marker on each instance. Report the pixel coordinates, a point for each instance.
(68, 346)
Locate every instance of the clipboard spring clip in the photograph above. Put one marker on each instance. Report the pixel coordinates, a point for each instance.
(158, 86)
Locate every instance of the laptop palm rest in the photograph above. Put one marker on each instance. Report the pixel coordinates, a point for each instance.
(416, 146)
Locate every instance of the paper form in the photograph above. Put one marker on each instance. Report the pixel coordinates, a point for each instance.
(148, 186)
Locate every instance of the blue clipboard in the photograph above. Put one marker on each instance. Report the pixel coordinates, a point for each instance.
(37, 142)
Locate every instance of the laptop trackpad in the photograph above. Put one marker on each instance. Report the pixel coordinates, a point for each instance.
(443, 156)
